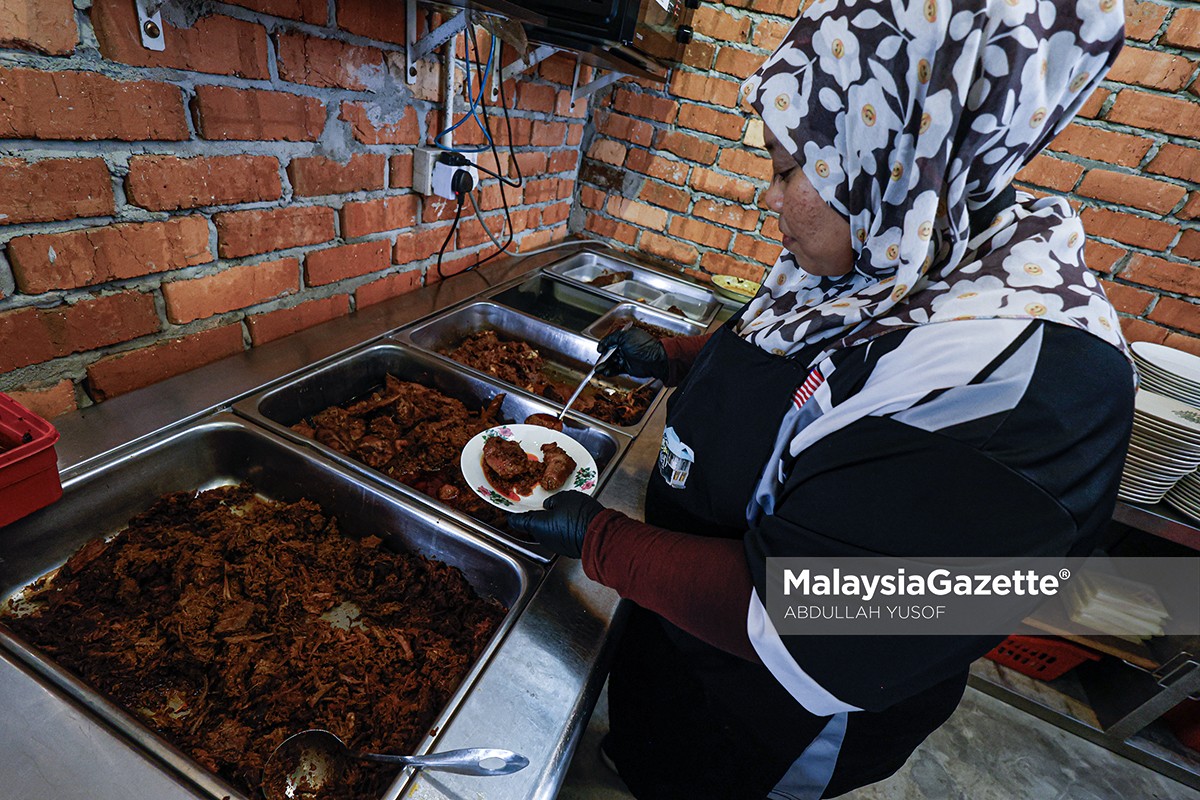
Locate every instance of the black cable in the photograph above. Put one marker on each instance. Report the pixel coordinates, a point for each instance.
(496, 154)
(497, 175)
(486, 229)
(507, 120)
(508, 125)
(450, 235)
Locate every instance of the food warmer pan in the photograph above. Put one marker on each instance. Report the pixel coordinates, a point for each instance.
(647, 286)
(355, 375)
(569, 356)
(632, 312)
(225, 450)
(558, 302)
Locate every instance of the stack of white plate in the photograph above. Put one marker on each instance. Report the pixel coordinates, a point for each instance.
(1185, 496)
(1164, 448)
(1167, 371)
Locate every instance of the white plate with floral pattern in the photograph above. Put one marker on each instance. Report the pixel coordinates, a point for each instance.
(531, 438)
(1173, 416)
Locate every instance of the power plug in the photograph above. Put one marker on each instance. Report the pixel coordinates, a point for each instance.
(443, 173)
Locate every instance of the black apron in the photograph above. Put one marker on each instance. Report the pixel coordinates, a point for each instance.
(727, 411)
(689, 720)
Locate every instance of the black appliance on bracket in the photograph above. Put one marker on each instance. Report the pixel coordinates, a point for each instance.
(638, 37)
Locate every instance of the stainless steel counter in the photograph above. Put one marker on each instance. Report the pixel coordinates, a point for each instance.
(534, 696)
(96, 430)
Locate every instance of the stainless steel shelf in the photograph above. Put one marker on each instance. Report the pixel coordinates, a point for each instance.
(1114, 703)
(1159, 520)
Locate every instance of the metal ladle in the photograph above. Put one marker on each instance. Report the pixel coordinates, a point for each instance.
(306, 763)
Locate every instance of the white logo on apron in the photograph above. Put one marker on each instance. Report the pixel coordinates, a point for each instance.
(675, 460)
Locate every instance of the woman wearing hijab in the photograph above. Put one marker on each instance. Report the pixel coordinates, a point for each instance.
(929, 370)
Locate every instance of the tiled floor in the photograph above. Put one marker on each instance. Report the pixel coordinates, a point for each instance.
(987, 751)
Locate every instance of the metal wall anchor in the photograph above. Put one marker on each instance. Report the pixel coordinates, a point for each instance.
(150, 24)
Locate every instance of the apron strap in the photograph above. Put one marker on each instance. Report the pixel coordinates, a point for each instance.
(809, 774)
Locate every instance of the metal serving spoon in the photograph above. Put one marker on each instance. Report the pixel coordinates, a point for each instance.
(605, 356)
(556, 422)
(586, 379)
(306, 763)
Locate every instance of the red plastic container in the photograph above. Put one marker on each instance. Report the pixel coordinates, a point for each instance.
(1184, 722)
(1040, 657)
(28, 462)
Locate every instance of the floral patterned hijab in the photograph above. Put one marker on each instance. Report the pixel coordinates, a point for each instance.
(911, 119)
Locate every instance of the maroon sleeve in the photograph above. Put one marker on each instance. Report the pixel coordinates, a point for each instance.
(699, 584)
(681, 354)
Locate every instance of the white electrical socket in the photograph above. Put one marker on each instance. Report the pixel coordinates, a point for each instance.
(432, 177)
(424, 159)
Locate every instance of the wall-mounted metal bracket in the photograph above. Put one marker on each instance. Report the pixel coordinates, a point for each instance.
(150, 24)
(418, 49)
(540, 54)
(591, 87)
(531, 60)
(1179, 667)
(494, 80)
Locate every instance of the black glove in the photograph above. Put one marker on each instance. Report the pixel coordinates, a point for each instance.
(563, 524)
(638, 354)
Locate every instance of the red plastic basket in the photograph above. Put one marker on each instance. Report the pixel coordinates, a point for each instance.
(28, 462)
(1040, 657)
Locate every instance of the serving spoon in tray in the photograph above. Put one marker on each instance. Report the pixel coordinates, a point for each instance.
(306, 765)
(605, 356)
(556, 422)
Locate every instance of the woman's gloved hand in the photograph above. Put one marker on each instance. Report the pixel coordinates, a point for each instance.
(563, 524)
(639, 354)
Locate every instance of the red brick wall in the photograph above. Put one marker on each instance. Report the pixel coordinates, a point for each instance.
(675, 172)
(159, 211)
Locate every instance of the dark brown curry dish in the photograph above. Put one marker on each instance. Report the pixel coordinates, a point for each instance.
(545, 421)
(607, 278)
(509, 469)
(226, 622)
(520, 364)
(513, 472)
(557, 466)
(653, 330)
(414, 435)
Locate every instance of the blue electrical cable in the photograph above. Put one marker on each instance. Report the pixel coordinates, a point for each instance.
(472, 111)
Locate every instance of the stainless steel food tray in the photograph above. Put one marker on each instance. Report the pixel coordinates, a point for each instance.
(626, 312)
(224, 450)
(700, 304)
(355, 375)
(571, 355)
(559, 302)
